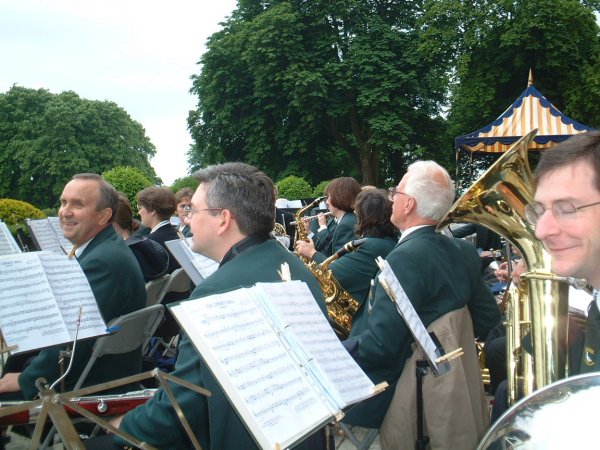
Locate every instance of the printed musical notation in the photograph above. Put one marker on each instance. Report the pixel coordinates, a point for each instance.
(40, 297)
(197, 266)
(48, 236)
(263, 345)
(8, 245)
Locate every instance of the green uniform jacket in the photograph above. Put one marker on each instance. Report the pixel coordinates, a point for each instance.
(213, 420)
(118, 285)
(439, 274)
(356, 269)
(342, 233)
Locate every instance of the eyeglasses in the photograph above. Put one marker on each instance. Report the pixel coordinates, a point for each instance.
(393, 192)
(188, 211)
(562, 210)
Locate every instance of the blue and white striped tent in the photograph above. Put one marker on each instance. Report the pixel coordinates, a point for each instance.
(531, 110)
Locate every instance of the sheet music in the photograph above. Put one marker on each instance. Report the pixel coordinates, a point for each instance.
(390, 282)
(44, 235)
(203, 264)
(8, 245)
(32, 286)
(298, 308)
(65, 244)
(72, 291)
(198, 267)
(29, 314)
(253, 366)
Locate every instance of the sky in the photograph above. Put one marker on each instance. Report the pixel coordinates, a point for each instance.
(137, 54)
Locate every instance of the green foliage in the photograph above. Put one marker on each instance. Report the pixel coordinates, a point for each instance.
(318, 89)
(320, 188)
(180, 183)
(14, 212)
(294, 188)
(127, 180)
(47, 138)
(50, 212)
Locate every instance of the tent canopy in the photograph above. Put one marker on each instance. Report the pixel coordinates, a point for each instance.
(531, 110)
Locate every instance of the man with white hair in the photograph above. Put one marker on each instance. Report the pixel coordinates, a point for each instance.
(439, 274)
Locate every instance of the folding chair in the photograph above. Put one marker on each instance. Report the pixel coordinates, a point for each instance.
(154, 289)
(179, 281)
(352, 433)
(134, 331)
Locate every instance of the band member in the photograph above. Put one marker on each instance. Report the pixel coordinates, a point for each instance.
(566, 214)
(87, 208)
(331, 236)
(232, 214)
(183, 198)
(438, 274)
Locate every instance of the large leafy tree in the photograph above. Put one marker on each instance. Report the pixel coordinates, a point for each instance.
(319, 89)
(498, 42)
(46, 138)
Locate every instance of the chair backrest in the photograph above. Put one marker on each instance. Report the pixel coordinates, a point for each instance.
(179, 282)
(135, 330)
(154, 289)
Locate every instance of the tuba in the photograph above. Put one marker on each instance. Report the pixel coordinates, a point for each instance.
(540, 307)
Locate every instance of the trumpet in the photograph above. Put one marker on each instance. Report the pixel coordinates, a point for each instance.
(328, 213)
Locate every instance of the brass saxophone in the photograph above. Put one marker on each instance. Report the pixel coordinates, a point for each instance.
(341, 306)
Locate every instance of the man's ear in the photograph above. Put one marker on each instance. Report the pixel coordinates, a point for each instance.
(226, 221)
(105, 216)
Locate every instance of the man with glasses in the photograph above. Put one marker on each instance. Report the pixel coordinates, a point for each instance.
(566, 216)
(439, 274)
(231, 215)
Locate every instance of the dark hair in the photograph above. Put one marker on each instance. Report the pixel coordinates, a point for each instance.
(124, 215)
(108, 194)
(158, 199)
(245, 191)
(186, 192)
(580, 147)
(373, 211)
(342, 193)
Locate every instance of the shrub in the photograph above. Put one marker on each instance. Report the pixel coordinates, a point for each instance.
(294, 188)
(320, 188)
(127, 180)
(180, 183)
(14, 213)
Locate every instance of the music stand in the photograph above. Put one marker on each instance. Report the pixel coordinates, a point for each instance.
(53, 406)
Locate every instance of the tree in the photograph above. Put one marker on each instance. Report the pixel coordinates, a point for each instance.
(318, 89)
(46, 138)
(127, 180)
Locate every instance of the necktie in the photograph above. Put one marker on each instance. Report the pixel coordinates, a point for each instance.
(72, 252)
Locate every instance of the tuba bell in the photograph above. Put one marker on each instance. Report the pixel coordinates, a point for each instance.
(539, 308)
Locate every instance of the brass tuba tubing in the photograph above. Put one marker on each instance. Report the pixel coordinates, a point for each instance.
(497, 201)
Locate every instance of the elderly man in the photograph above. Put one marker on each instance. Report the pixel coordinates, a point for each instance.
(87, 207)
(232, 213)
(439, 275)
(566, 214)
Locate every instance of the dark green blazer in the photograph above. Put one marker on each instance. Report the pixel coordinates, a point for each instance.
(213, 420)
(439, 274)
(342, 233)
(118, 286)
(355, 270)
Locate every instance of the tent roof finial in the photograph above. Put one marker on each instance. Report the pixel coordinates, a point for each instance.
(530, 79)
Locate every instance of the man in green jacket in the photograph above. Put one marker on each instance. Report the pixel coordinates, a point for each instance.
(88, 205)
(439, 274)
(232, 213)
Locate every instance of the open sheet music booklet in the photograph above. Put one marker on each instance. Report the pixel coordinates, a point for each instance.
(8, 245)
(197, 266)
(277, 359)
(40, 298)
(47, 235)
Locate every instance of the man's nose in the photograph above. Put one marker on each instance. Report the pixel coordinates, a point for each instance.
(546, 225)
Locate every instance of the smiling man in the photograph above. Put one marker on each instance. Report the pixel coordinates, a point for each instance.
(566, 216)
(88, 205)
